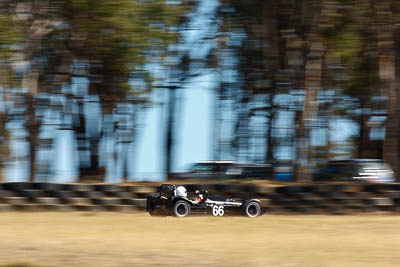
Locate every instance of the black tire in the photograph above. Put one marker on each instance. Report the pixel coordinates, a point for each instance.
(252, 209)
(181, 209)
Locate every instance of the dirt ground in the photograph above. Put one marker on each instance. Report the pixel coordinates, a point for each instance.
(126, 239)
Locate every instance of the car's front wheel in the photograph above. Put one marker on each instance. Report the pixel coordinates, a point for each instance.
(181, 208)
(252, 209)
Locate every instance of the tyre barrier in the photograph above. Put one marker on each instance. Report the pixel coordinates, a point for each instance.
(339, 198)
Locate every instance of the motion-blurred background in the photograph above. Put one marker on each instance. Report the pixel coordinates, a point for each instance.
(125, 90)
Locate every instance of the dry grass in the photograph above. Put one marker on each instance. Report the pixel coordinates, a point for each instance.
(120, 239)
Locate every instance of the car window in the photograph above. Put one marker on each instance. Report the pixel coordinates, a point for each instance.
(256, 171)
(234, 170)
(374, 167)
(341, 172)
(223, 167)
(203, 167)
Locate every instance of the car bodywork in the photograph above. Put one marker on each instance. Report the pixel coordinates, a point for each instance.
(166, 203)
(205, 170)
(225, 170)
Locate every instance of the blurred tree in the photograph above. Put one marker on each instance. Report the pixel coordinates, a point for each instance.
(384, 29)
(252, 37)
(117, 40)
(10, 41)
(108, 43)
(263, 52)
(36, 21)
(180, 72)
(312, 84)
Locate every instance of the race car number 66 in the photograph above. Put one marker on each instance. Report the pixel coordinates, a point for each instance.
(218, 210)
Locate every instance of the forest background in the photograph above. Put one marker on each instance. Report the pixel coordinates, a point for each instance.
(134, 89)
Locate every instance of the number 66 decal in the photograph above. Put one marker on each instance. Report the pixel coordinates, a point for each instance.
(218, 210)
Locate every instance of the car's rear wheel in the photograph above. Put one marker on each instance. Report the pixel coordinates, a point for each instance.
(252, 209)
(181, 209)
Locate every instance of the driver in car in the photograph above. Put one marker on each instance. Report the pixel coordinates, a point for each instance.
(201, 196)
(182, 192)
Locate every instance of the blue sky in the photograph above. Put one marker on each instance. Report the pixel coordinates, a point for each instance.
(193, 143)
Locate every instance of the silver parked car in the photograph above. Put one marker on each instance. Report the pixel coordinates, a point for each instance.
(360, 170)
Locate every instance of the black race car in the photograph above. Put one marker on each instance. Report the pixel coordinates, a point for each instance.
(168, 202)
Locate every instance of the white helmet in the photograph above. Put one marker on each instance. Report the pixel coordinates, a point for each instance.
(181, 191)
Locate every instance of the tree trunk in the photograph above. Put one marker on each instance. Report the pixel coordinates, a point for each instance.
(386, 63)
(272, 58)
(363, 139)
(390, 145)
(36, 28)
(169, 137)
(89, 139)
(216, 131)
(32, 125)
(313, 70)
(269, 155)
